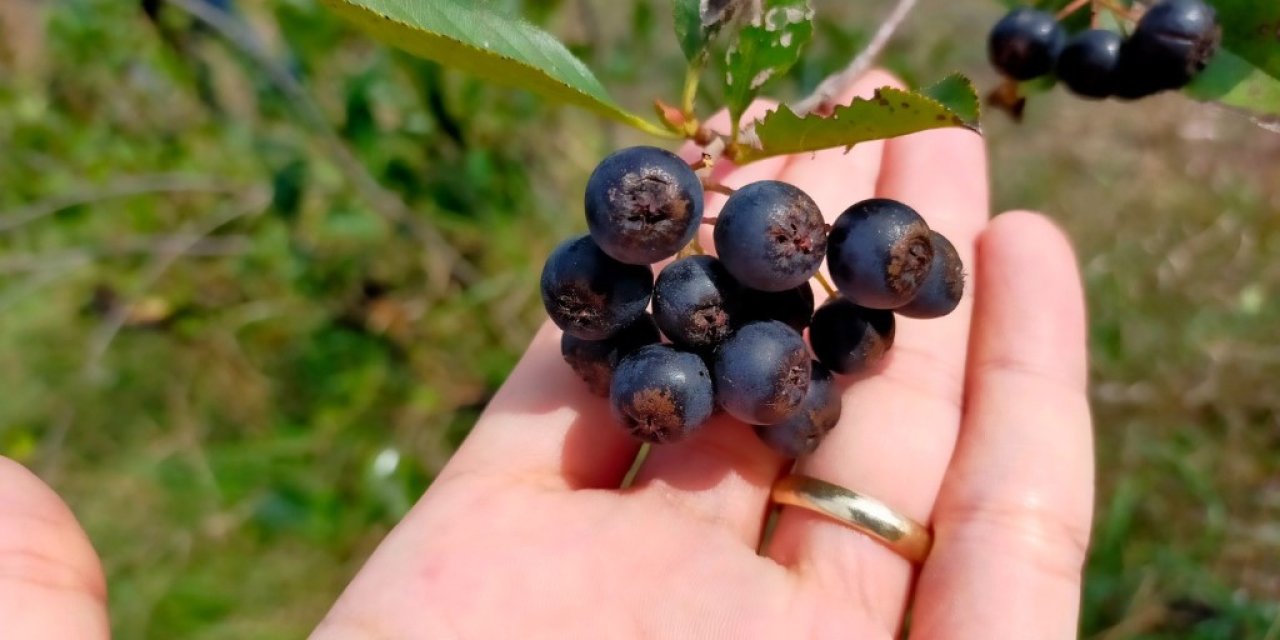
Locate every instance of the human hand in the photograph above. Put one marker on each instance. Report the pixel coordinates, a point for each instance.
(977, 423)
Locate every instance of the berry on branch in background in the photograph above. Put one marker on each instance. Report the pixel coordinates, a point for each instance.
(762, 373)
(643, 204)
(1087, 65)
(879, 253)
(660, 394)
(793, 306)
(595, 360)
(802, 432)
(850, 339)
(1024, 44)
(696, 302)
(1174, 41)
(943, 287)
(1171, 43)
(771, 236)
(590, 295)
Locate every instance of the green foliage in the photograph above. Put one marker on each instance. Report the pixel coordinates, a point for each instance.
(489, 45)
(1251, 30)
(766, 47)
(1232, 81)
(687, 17)
(889, 113)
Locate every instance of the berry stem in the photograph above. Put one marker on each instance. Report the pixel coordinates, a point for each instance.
(716, 187)
(1071, 8)
(692, 75)
(826, 285)
(638, 462)
(709, 220)
(694, 248)
(1116, 9)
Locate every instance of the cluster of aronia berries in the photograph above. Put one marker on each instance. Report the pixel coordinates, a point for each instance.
(1172, 42)
(734, 323)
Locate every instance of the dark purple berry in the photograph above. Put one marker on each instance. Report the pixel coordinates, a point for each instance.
(943, 287)
(1024, 43)
(696, 302)
(793, 306)
(1173, 41)
(595, 360)
(762, 373)
(661, 394)
(590, 295)
(643, 204)
(849, 339)
(1087, 65)
(771, 236)
(803, 431)
(880, 253)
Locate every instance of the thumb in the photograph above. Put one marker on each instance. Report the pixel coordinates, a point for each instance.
(51, 583)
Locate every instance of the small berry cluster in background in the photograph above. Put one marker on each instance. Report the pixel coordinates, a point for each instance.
(734, 323)
(1172, 42)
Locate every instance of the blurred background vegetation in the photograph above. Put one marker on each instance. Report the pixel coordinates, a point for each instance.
(232, 341)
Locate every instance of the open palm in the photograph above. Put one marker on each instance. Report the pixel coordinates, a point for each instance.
(977, 424)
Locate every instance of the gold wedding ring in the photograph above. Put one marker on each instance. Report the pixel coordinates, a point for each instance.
(901, 534)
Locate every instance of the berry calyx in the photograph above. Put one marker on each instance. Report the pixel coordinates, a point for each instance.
(802, 432)
(1024, 44)
(660, 394)
(762, 373)
(643, 204)
(943, 287)
(696, 302)
(771, 236)
(880, 253)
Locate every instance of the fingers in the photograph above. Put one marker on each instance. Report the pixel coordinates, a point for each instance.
(899, 425)
(544, 427)
(1012, 521)
(51, 583)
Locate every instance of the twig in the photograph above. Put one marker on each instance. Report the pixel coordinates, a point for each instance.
(1075, 6)
(716, 187)
(826, 285)
(124, 187)
(446, 259)
(834, 85)
(254, 202)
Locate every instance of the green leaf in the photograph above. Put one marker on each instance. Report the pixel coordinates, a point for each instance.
(957, 93)
(689, 31)
(495, 47)
(1245, 73)
(889, 113)
(1251, 30)
(765, 48)
(1232, 81)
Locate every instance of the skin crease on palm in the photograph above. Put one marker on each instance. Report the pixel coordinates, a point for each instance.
(980, 428)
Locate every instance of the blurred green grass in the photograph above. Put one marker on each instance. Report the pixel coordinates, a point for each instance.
(241, 373)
